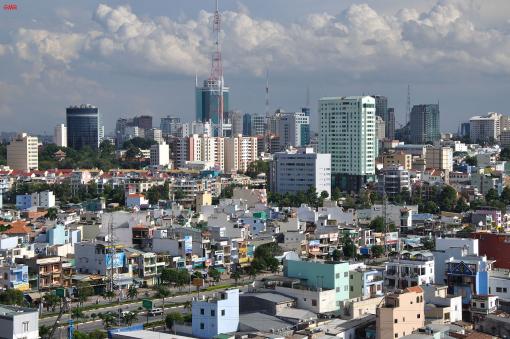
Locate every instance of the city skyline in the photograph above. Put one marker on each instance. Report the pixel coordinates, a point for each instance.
(129, 60)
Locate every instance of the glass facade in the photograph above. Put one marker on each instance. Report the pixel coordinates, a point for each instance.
(83, 127)
(207, 102)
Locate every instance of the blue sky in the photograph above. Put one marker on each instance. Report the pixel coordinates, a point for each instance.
(140, 57)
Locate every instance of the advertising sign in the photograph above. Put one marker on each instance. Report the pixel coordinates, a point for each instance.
(313, 246)
(188, 244)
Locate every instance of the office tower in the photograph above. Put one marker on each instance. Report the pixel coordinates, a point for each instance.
(465, 129)
(60, 135)
(239, 153)
(247, 125)
(169, 126)
(236, 119)
(347, 132)
(293, 129)
(380, 128)
(258, 125)
(160, 154)
(424, 124)
(485, 129)
(306, 110)
(207, 101)
(381, 106)
(154, 134)
(23, 153)
(295, 171)
(143, 121)
(390, 124)
(83, 127)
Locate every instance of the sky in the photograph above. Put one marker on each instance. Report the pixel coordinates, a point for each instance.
(140, 57)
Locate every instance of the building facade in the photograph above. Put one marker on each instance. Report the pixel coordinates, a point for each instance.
(486, 128)
(347, 132)
(23, 153)
(83, 127)
(216, 315)
(425, 124)
(60, 135)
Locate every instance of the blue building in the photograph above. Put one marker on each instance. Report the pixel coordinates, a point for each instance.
(24, 201)
(15, 277)
(247, 125)
(207, 101)
(216, 315)
(83, 127)
(468, 276)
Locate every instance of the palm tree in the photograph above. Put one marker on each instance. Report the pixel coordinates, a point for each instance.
(236, 275)
(109, 295)
(129, 317)
(173, 318)
(187, 305)
(163, 293)
(108, 319)
(132, 292)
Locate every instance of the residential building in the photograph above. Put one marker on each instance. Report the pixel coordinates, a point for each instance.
(136, 200)
(160, 154)
(486, 128)
(321, 275)
(216, 315)
(19, 322)
(390, 124)
(23, 153)
(169, 126)
(293, 129)
(439, 158)
(60, 135)
(393, 180)
(409, 269)
(365, 283)
(240, 152)
(496, 247)
(347, 132)
(398, 158)
(44, 199)
(483, 305)
(441, 306)
(96, 258)
(154, 134)
(14, 276)
(468, 276)
(83, 127)
(295, 171)
(424, 124)
(47, 271)
(402, 314)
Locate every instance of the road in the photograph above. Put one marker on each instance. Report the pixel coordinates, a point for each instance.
(91, 324)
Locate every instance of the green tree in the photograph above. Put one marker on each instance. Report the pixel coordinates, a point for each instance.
(44, 331)
(461, 205)
(77, 313)
(129, 317)
(50, 300)
(12, 297)
(51, 213)
(491, 195)
(377, 250)
(336, 255)
(471, 161)
(348, 247)
(163, 293)
(504, 155)
(132, 292)
(257, 167)
(214, 274)
(84, 290)
(448, 198)
(108, 319)
(273, 265)
(96, 334)
(173, 318)
(236, 275)
(377, 224)
(429, 243)
(505, 195)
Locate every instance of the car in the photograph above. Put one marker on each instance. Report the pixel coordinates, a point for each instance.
(124, 313)
(155, 311)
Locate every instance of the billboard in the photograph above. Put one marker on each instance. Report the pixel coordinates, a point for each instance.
(188, 244)
(313, 246)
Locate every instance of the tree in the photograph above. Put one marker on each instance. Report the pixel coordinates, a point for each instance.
(163, 293)
(51, 213)
(129, 317)
(377, 250)
(173, 318)
(83, 291)
(51, 301)
(336, 255)
(236, 275)
(348, 247)
(429, 243)
(77, 313)
(336, 194)
(505, 195)
(471, 161)
(461, 205)
(12, 297)
(491, 195)
(108, 319)
(273, 265)
(214, 274)
(504, 155)
(44, 331)
(257, 167)
(447, 198)
(377, 224)
(109, 295)
(132, 292)
(96, 334)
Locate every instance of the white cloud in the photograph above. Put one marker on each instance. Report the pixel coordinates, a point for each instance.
(357, 41)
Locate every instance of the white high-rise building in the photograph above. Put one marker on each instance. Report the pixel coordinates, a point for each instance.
(60, 135)
(23, 153)
(239, 153)
(293, 129)
(207, 149)
(160, 154)
(295, 171)
(439, 158)
(154, 134)
(485, 128)
(347, 132)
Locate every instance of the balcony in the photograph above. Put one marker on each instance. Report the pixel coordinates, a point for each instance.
(483, 310)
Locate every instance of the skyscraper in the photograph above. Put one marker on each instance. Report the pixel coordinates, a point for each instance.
(207, 101)
(347, 132)
(23, 153)
(390, 124)
(293, 129)
(83, 126)
(60, 135)
(424, 124)
(143, 121)
(247, 125)
(169, 125)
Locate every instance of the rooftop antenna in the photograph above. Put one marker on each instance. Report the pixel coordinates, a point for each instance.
(217, 67)
(267, 93)
(408, 108)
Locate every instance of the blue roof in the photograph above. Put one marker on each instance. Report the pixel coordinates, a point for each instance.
(423, 216)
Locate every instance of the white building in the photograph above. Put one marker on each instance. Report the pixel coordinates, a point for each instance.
(154, 134)
(239, 153)
(485, 128)
(19, 322)
(439, 158)
(44, 199)
(296, 170)
(347, 132)
(216, 315)
(160, 154)
(411, 269)
(23, 153)
(60, 135)
(291, 128)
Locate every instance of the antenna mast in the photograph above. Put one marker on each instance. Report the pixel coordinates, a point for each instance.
(111, 245)
(267, 93)
(408, 108)
(217, 67)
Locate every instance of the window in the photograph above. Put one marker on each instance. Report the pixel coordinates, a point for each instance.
(482, 305)
(202, 311)
(395, 321)
(314, 302)
(338, 289)
(418, 316)
(338, 275)
(222, 313)
(346, 274)
(25, 326)
(504, 289)
(498, 289)
(403, 319)
(213, 313)
(396, 335)
(202, 326)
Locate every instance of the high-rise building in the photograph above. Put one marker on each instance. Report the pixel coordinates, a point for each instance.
(169, 125)
(60, 135)
(293, 129)
(143, 121)
(380, 128)
(207, 101)
(83, 127)
(484, 129)
(347, 132)
(240, 152)
(236, 120)
(390, 124)
(247, 125)
(160, 154)
(23, 153)
(424, 124)
(439, 157)
(154, 134)
(295, 171)
(381, 106)
(465, 129)
(258, 125)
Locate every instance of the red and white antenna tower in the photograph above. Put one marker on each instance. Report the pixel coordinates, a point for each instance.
(217, 67)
